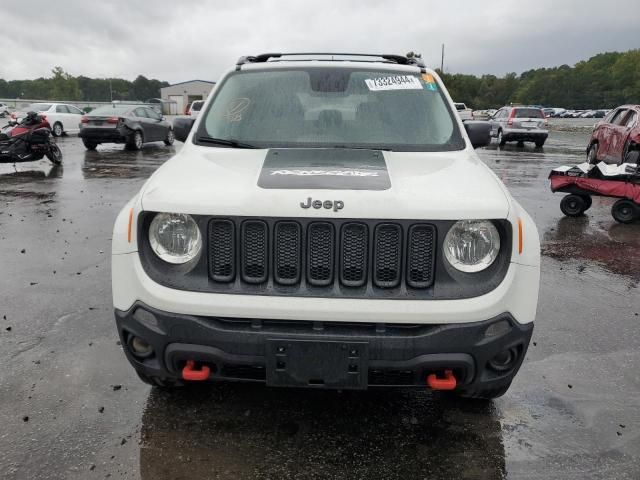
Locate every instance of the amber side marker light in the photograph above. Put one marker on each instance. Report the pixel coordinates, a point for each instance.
(130, 225)
(520, 236)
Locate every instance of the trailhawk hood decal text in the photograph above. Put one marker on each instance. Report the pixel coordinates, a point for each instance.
(319, 168)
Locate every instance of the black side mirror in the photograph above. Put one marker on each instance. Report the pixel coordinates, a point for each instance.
(182, 127)
(479, 132)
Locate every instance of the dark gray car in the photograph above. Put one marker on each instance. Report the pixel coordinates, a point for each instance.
(132, 125)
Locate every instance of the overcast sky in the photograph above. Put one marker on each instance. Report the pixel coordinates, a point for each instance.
(182, 39)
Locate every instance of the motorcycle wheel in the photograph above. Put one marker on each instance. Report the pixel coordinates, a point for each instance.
(55, 155)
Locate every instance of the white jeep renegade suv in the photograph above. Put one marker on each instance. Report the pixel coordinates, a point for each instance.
(327, 224)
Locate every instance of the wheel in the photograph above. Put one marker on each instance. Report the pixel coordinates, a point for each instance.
(588, 201)
(89, 145)
(135, 141)
(625, 211)
(171, 137)
(540, 143)
(54, 154)
(159, 382)
(500, 139)
(573, 205)
(592, 154)
(57, 129)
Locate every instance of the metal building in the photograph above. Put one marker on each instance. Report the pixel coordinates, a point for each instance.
(184, 93)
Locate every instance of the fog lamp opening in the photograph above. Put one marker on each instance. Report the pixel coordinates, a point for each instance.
(505, 360)
(139, 347)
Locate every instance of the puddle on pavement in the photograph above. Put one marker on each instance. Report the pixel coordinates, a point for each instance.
(243, 431)
(615, 246)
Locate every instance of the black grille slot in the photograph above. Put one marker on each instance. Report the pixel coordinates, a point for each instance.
(287, 240)
(420, 256)
(222, 250)
(320, 254)
(387, 255)
(354, 244)
(254, 251)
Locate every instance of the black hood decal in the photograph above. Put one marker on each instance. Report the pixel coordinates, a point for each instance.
(324, 168)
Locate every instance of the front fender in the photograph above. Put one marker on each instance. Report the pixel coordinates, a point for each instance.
(125, 237)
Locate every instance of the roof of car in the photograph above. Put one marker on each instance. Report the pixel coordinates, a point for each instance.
(411, 59)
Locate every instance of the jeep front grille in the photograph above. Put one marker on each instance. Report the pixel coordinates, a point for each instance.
(345, 257)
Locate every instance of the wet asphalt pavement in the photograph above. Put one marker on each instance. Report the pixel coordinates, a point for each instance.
(71, 406)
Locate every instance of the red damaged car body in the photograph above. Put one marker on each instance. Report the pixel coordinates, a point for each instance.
(616, 139)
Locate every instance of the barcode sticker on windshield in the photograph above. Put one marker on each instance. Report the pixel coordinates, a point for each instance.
(396, 82)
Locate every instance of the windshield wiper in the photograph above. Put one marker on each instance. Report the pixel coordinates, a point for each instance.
(230, 142)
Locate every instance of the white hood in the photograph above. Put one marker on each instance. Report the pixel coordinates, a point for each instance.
(424, 185)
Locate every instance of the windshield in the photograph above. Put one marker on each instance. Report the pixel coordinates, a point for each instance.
(111, 110)
(460, 106)
(196, 106)
(38, 107)
(528, 113)
(331, 107)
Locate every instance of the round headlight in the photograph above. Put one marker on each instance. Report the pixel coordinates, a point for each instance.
(471, 245)
(175, 237)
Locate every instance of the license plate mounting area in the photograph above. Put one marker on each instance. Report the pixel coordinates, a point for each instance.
(317, 364)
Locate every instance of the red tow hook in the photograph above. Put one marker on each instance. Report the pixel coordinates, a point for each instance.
(446, 383)
(188, 373)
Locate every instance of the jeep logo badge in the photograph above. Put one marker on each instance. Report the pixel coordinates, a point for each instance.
(327, 204)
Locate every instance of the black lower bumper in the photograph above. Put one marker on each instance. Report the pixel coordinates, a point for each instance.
(525, 137)
(325, 354)
(103, 135)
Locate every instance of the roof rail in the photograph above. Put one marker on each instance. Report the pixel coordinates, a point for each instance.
(409, 59)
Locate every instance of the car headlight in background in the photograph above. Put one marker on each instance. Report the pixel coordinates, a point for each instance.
(175, 237)
(472, 245)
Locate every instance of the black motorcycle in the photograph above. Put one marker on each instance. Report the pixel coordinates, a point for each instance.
(29, 140)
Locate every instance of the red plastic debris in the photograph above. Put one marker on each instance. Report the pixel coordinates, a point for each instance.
(446, 383)
(188, 372)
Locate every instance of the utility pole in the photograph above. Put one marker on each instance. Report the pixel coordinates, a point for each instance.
(442, 60)
(110, 91)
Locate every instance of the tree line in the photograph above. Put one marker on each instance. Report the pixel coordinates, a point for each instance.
(604, 81)
(65, 87)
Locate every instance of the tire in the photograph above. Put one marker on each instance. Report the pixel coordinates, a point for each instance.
(573, 205)
(171, 137)
(159, 382)
(540, 143)
(135, 141)
(592, 154)
(588, 201)
(89, 145)
(54, 154)
(57, 129)
(500, 139)
(625, 211)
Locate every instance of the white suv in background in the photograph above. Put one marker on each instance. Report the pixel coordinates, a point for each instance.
(464, 112)
(327, 224)
(195, 107)
(63, 117)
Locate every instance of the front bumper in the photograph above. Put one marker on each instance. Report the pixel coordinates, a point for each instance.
(396, 354)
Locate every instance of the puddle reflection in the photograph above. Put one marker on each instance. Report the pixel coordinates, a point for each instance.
(235, 431)
(122, 163)
(614, 246)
